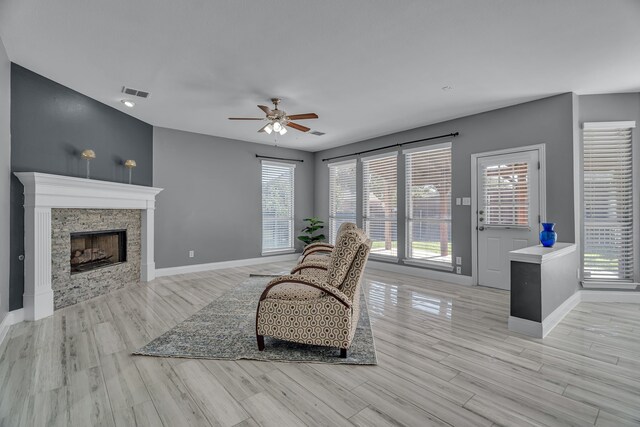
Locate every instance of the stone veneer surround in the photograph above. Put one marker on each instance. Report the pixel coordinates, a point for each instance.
(70, 289)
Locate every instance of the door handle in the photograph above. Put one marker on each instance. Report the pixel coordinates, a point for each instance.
(481, 228)
(481, 212)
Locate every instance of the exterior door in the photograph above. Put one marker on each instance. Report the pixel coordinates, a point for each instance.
(508, 196)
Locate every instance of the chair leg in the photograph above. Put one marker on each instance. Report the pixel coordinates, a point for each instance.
(343, 353)
(260, 342)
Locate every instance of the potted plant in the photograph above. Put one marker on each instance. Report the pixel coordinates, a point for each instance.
(314, 225)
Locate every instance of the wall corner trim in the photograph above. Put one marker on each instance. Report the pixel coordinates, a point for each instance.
(172, 271)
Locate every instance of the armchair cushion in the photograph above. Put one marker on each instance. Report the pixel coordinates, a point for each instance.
(343, 255)
(306, 281)
(294, 291)
(312, 268)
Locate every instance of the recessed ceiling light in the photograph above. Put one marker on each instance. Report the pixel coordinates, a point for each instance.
(445, 88)
(128, 103)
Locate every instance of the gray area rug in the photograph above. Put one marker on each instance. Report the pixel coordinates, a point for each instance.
(226, 329)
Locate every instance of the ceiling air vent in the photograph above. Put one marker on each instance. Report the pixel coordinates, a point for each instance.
(317, 133)
(135, 92)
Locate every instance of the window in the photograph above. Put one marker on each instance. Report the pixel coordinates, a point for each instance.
(380, 187)
(608, 193)
(506, 194)
(342, 195)
(277, 207)
(428, 195)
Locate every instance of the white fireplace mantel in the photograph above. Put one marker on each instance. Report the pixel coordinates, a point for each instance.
(42, 192)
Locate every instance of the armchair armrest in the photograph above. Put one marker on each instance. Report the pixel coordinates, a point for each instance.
(308, 281)
(326, 246)
(313, 251)
(306, 265)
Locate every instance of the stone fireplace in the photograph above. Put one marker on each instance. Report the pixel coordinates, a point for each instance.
(93, 252)
(59, 207)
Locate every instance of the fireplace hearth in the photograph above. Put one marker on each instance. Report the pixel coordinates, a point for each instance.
(97, 249)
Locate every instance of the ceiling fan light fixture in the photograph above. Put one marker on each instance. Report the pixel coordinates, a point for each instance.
(277, 120)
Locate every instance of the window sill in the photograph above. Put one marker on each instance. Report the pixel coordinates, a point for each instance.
(278, 252)
(429, 264)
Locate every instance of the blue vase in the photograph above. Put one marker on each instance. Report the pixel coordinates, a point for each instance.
(548, 237)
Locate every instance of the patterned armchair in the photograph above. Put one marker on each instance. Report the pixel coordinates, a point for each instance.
(321, 251)
(318, 303)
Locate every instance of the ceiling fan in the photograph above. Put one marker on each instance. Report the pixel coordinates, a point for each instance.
(279, 120)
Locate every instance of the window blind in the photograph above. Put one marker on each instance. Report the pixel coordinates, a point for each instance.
(277, 206)
(342, 196)
(428, 195)
(379, 189)
(506, 194)
(608, 217)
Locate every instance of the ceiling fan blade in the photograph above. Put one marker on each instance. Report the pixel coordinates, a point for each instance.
(266, 109)
(298, 127)
(303, 116)
(245, 118)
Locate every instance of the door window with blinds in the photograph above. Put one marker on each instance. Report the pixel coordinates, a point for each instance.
(342, 195)
(608, 203)
(428, 196)
(380, 203)
(506, 194)
(277, 207)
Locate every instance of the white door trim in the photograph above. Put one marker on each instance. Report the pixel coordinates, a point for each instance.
(474, 195)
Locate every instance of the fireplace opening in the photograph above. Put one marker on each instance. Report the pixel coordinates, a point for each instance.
(97, 249)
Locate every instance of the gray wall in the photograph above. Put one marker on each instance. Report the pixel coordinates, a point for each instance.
(50, 126)
(547, 120)
(609, 107)
(211, 201)
(5, 177)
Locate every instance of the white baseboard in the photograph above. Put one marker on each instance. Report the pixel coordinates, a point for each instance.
(556, 316)
(610, 296)
(12, 317)
(172, 271)
(540, 330)
(426, 273)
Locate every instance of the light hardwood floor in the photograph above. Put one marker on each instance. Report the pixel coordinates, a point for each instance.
(445, 357)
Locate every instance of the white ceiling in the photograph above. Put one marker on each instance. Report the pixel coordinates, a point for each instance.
(367, 67)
